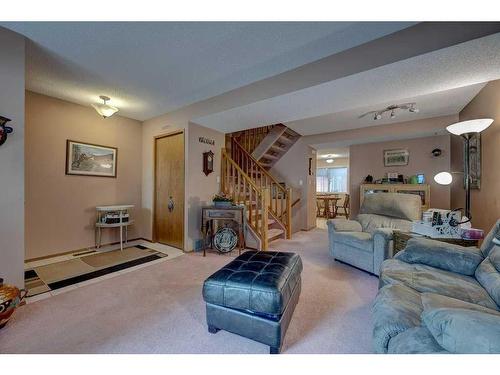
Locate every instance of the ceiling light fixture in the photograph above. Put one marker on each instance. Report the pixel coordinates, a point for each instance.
(329, 161)
(413, 109)
(377, 115)
(105, 110)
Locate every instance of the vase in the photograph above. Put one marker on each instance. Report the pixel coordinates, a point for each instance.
(10, 298)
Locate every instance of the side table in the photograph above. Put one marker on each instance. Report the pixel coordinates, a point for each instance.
(401, 238)
(210, 214)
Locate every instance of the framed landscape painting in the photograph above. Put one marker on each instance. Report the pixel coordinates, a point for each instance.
(87, 159)
(396, 157)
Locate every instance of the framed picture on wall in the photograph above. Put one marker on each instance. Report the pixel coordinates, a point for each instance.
(396, 157)
(87, 159)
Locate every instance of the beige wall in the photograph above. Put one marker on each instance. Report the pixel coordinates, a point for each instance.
(200, 188)
(293, 169)
(12, 159)
(60, 209)
(368, 159)
(485, 203)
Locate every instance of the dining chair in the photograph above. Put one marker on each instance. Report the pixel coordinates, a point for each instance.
(345, 205)
(320, 206)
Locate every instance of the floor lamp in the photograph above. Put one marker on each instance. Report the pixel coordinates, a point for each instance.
(465, 129)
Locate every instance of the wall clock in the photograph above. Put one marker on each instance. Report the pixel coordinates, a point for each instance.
(208, 162)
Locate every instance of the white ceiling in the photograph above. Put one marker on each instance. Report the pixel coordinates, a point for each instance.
(441, 103)
(441, 82)
(152, 68)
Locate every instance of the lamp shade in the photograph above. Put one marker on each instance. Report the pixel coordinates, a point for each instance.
(443, 178)
(104, 109)
(470, 126)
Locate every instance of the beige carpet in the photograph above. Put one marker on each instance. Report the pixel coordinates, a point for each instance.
(161, 310)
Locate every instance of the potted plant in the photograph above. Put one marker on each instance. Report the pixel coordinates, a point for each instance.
(222, 200)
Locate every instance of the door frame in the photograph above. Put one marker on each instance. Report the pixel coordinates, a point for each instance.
(155, 138)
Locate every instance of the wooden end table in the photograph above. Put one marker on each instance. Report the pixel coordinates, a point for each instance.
(401, 238)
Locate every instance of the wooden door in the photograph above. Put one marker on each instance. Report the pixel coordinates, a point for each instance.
(169, 190)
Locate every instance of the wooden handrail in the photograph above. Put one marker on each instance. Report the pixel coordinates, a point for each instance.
(279, 198)
(248, 182)
(261, 168)
(238, 168)
(240, 187)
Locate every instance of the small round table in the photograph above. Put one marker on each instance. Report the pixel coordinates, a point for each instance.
(327, 198)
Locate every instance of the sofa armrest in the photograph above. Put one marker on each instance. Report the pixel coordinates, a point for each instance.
(464, 331)
(382, 247)
(341, 225)
(446, 256)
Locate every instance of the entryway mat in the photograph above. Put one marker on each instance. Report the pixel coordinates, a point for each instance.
(61, 274)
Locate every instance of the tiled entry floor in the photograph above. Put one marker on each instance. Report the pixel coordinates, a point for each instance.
(51, 276)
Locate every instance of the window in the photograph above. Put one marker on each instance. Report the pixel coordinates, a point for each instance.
(331, 180)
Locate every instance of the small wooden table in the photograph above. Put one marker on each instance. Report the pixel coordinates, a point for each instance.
(120, 223)
(401, 238)
(327, 198)
(211, 213)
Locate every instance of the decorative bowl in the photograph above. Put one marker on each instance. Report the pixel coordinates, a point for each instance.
(10, 298)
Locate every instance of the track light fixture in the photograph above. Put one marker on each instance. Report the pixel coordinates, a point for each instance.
(377, 115)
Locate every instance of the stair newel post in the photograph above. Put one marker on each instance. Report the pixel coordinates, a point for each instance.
(245, 195)
(250, 206)
(264, 218)
(238, 187)
(228, 176)
(282, 201)
(223, 171)
(289, 213)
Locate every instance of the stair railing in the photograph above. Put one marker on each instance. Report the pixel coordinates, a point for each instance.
(280, 198)
(249, 139)
(239, 186)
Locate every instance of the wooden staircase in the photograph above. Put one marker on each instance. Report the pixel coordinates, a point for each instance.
(276, 143)
(268, 203)
(267, 144)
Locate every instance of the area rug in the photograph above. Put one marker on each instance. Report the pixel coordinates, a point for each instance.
(57, 275)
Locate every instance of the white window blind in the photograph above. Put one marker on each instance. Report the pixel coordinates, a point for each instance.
(331, 180)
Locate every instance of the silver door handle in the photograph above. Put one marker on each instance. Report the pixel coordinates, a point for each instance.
(170, 204)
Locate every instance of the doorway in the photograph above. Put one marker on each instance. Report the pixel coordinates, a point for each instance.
(168, 226)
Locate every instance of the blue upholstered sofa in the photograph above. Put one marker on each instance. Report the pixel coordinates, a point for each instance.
(367, 241)
(440, 298)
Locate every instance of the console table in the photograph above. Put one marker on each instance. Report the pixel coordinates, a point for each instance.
(121, 219)
(401, 238)
(210, 214)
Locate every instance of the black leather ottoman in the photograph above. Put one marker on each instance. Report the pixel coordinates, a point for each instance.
(254, 296)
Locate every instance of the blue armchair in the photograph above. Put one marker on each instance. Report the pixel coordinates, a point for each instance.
(365, 242)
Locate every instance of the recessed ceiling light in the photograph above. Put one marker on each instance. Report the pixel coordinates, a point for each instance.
(329, 161)
(105, 110)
